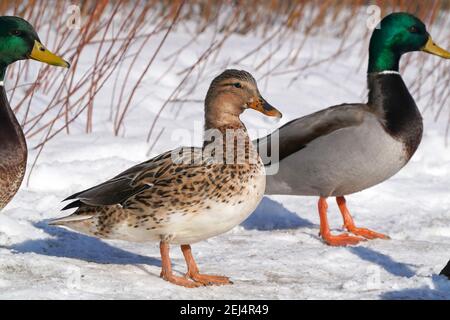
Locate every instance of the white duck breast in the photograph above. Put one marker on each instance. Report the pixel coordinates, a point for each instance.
(220, 217)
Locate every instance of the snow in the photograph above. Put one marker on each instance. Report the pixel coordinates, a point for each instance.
(276, 253)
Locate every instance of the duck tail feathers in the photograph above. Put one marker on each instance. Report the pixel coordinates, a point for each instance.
(73, 218)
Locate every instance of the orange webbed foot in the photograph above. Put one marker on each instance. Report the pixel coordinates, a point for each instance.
(181, 281)
(349, 224)
(368, 234)
(194, 274)
(209, 280)
(341, 240)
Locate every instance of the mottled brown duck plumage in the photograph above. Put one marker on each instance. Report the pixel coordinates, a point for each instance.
(188, 194)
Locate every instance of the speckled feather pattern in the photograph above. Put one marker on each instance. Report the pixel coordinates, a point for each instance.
(176, 193)
(348, 148)
(187, 194)
(12, 171)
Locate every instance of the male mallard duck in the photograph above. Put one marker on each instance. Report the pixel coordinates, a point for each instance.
(18, 41)
(188, 194)
(350, 147)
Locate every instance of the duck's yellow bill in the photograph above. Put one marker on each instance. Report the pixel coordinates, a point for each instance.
(261, 105)
(42, 54)
(432, 48)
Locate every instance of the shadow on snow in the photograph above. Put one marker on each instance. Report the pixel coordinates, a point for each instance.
(272, 215)
(69, 244)
(439, 288)
(387, 263)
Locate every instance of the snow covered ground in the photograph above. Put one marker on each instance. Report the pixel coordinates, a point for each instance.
(276, 253)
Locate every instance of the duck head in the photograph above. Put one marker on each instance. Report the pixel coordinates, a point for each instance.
(397, 34)
(19, 41)
(230, 94)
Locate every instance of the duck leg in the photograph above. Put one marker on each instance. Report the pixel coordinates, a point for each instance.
(332, 240)
(166, 272)
(349, 224)
(194, 273)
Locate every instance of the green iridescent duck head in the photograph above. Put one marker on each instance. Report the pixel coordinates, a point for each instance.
(19, 41)
(397, 34)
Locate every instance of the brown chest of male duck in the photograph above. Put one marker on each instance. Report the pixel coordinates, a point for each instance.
(13, 152)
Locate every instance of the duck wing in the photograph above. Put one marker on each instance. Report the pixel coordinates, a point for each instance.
(134, 180)
(296, 134)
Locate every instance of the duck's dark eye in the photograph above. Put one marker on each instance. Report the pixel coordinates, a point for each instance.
(413, 29)
(237, 85)
(16, 33)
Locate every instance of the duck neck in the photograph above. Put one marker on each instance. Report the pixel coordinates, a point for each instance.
(382, 55)
(390, 99)
(226, 125)
(382, 59)
(216, 118)
(13, 150)
(388, 93)
(226, 139)
(11, 134)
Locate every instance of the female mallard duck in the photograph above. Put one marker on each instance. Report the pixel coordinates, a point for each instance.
(350, 147)
(18, 41)
(188, 194)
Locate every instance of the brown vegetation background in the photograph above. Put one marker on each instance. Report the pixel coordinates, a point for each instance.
(139, 23)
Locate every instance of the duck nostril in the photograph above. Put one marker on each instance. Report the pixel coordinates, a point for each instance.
(42, 49)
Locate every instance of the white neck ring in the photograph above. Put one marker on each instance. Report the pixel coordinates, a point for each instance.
(389, 72)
